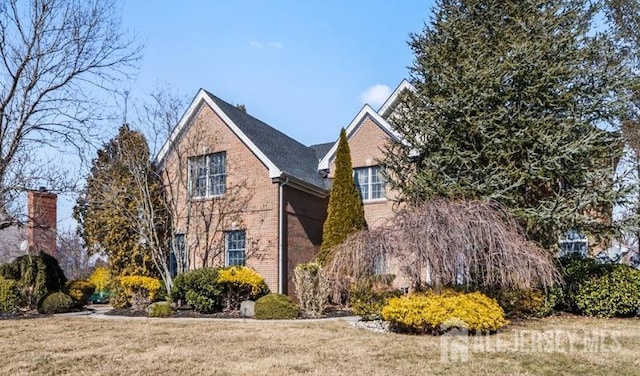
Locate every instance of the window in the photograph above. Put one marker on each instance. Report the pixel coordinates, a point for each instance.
(379, 264)
(235, 244)
(178, 254)
(208, 175)
(573, 243)
(370, 183)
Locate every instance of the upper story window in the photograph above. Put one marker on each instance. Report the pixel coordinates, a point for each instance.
(208, 175)
(574, 243)
(370, 183)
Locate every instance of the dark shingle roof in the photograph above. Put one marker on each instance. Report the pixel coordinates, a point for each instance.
(290, 156)
(322, 149)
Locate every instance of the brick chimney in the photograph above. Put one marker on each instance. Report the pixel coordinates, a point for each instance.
(42, 215)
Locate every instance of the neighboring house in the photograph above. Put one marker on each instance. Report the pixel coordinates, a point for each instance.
(37, 233)
(243, 192)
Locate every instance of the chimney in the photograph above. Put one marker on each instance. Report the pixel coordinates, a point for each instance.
(42, 216)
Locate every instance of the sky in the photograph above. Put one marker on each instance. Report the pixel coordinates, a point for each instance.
(304, 67)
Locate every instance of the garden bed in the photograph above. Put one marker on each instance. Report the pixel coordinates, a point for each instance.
(331, 312)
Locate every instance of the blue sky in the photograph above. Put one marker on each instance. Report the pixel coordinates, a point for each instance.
(300, 66)
(304, 67)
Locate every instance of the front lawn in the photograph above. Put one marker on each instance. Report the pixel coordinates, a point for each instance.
(555, 346)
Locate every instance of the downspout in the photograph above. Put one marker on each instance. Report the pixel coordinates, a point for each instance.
(281, 280)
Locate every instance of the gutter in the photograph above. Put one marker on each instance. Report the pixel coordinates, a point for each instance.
(281, 280)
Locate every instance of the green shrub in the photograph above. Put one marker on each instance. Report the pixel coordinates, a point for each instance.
(35, 276)
(436, 313)
(276, 307)
(134, 291)
(55, 302)
(198, 288)
(524, 303)
(212, 289)
(160, 309)
(240, 283)
(367, 299)
(80, 291)
(616, 293)
(312, 288)
(9, 295)
(595, 289)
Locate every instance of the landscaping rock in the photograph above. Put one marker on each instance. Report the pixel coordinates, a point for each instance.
(247, 308)
(374, 325)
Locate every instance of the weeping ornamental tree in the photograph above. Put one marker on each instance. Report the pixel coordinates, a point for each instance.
(517, 102)
(345, 213)
(443, 243)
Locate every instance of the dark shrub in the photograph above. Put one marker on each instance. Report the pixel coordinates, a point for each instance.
(368, 296)
(55, 302)
(275, 307)
(524, 303)
(80, 291)
(9, 295)
(616, 293)
(198, 288)
(596, 289)
(35, 276)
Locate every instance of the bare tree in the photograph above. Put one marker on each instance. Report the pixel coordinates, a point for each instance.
(188, 228)
(73, 256)
(453, 242)
(53, 54)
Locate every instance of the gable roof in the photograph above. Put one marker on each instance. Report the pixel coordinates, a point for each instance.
(290, 156)
(365, 112)
(390, 104)
(282, 155)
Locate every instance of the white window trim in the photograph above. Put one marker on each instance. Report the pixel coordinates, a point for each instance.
(226, 247)
(191, 180)
(370, 184)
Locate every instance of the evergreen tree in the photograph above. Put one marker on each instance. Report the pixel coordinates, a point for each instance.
(345, 213)
(113, 210)
(518, 102)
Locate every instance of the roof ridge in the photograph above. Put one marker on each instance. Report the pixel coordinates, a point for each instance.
(243, 113)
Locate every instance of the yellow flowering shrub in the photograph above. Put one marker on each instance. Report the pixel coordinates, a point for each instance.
(240, 283)
(135, 291)
(435, 313)
(80, 291)
(135, 283)
(241, 275)
(101, 279)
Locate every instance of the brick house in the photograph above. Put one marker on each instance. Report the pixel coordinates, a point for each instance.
(245, 193)
(35, 234)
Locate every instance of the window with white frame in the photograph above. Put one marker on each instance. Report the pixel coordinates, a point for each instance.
(573, 243)
(235, 244)
(208, 175)
(370, 182)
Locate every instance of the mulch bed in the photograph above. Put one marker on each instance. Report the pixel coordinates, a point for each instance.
(189, 313)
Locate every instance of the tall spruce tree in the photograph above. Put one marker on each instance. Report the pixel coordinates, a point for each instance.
(345, 213)
(518, 102)
(112, 209)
